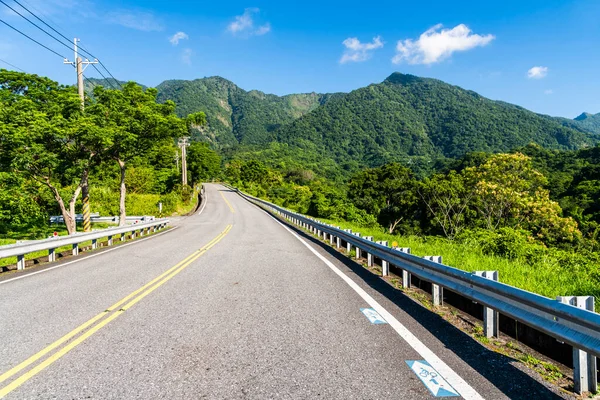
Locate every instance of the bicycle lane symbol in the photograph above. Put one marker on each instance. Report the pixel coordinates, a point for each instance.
(435, 383)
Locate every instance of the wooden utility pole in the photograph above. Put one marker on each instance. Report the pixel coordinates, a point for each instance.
(85, 189)
(183, 144)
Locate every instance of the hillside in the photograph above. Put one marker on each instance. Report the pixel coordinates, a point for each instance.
(404, 118)
(410, 116)
(236, 116)
(90, 83)
(589, 122)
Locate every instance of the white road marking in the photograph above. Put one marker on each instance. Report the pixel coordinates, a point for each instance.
(90, 256)
(431, 379)
(203, 205)
(373, 316)
(459, 384)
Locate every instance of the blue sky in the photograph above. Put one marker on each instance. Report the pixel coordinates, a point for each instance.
(541, 54)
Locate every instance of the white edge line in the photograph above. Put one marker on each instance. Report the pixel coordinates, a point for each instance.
(458, 383)
(203, 205)
(90, 256)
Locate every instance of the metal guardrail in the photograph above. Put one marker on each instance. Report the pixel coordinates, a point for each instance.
(21, 249)
(577, 327)
(59, 219)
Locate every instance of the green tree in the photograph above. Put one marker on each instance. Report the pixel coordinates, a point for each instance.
(47, 137)
(203, 163)
(388, 192)
(134, 123)
(447, 198)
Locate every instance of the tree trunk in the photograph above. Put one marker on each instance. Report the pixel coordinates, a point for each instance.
(122, 211)
(85, 198)
(68, 216)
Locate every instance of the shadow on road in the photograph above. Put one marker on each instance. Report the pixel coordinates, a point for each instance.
(496, 368)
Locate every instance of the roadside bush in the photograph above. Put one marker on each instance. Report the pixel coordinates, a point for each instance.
(504, 242)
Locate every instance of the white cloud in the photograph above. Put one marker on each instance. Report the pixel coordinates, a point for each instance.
(357, 51)
(244, 24)
(139, 20)
(186, 56)
(437, 44)
(177, 37)
(537, 72)
(548, 91)
(266, 28)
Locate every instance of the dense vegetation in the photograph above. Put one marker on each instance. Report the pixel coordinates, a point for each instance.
(589, 121)
(403, 119)
(52, 150)
(408, 116)
(234, 115)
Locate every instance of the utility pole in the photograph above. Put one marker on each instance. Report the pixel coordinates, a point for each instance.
(183, 143)
(79, 66)
(85, 189)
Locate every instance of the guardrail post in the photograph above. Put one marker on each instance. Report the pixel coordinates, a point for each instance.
(94, 244)
(338, 240)
(110, 239)
(348, 245)
(331, 239)
(142, 232)
(585, 376)
(405, 274)
(385, 266)
(358, 251)
(437, 292)
(369, 255)
(490, 316)
(21, 262)
(75, 249)
(51, 255)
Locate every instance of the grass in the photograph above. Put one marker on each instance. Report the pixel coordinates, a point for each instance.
(545, 276)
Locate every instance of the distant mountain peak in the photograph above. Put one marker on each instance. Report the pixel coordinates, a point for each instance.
(584, 116)
(403, 79)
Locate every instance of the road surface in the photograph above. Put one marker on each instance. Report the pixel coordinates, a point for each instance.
(230, 304)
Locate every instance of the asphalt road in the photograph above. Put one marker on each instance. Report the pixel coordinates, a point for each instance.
(229, 304)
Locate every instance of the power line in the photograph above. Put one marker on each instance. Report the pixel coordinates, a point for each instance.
(32, 39)
(64, 37)
(36, 25)
(105, 78)
(9, 64)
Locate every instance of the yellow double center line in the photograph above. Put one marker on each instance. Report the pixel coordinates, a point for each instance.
(129, 301)
(228, 203)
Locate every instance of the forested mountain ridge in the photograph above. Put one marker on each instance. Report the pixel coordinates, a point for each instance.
(411, 116)
(589, 121)
(400, 119)
(236, 116)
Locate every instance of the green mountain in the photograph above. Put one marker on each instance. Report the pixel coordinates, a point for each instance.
(590, 122)
(404, 118)
(90, 83)
(408, 116)
(236, 116)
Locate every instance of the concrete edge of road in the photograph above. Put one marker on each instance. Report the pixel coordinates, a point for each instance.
(63, 263)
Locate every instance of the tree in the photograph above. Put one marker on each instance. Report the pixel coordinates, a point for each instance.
(447, 198)
(388, 192)
(203, 163)
(134, 123)
(47, 137)
(253, 172)
(509, 192)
